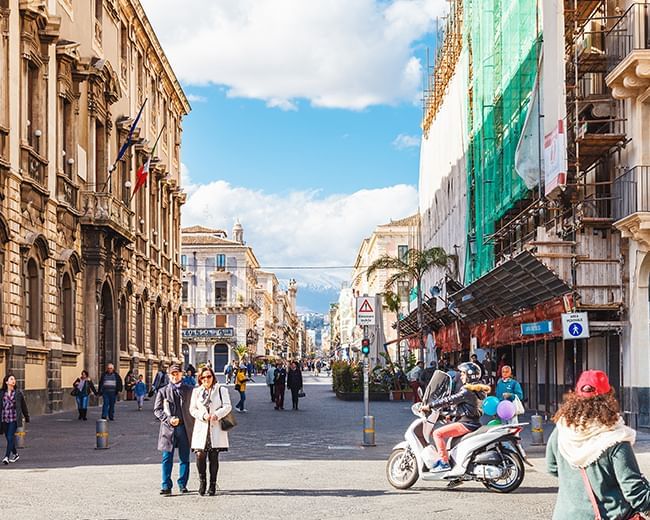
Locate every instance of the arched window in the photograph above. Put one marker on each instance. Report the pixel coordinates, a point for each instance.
(153, 332)
(33, 300)
(124, 322)
(165, 333)
(68, 307)
(139, 328)
(175, 339)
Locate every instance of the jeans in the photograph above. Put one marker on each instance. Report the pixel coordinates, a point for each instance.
(242, 400)
(140, 400)
(294, 397)
(183, 444)
(272, 389)
(10, 433)
(82, 402)
(108, 407)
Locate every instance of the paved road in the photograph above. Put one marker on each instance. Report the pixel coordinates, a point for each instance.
(323, 473)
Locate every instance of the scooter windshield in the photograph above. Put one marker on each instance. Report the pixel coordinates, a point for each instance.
(440, 386)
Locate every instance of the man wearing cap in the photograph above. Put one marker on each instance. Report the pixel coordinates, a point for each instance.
(172, 409)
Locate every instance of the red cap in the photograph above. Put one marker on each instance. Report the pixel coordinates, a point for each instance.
(592, 383)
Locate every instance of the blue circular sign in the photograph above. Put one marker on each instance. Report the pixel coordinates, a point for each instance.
(575, 329)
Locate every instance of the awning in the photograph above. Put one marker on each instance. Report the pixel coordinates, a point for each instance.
(519, 283)
(431, 319)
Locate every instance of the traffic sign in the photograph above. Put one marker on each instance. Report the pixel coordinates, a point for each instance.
(365, 310)
(575, 325)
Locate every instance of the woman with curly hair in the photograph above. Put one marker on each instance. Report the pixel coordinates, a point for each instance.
(590, 451)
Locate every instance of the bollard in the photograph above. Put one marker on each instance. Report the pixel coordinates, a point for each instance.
(20, 437)
(368, 430)
(537, 430)
(101, 429)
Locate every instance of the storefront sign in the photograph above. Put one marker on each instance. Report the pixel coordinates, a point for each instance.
(575, 325)
(538, 327)
(219, 332)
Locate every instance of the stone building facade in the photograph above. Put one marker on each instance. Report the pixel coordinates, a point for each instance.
(88, 276)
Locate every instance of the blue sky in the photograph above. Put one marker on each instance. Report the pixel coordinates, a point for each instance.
(305, 122)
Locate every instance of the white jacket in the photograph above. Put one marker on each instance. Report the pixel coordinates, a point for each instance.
(199, 411)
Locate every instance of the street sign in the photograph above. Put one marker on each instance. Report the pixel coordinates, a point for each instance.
(218, 332)
(537, 327)
(575, 325)
(366, 310)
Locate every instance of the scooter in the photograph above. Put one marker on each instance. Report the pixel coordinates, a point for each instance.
(492, 455)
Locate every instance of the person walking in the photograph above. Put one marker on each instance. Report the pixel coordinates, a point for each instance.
(14, 412)
(81, 389)
(160, 381)
(270, 373)
(140, 390)
(294, 382)
(110, 385)
(228, 373)
(413, 377)
(590, 451)
(189, 379)
(209, 404)
(240, 385)
(279, 384)
(172, 409)
(129, 383)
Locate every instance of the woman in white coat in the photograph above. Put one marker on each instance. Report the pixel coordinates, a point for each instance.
(210, 403)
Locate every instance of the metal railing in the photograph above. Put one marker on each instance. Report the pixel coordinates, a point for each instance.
(67, 191)
(33, 166)
(631, 32)
(632, 192)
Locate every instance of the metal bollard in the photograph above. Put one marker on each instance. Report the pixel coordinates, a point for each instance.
(537, 430)
(20, 437)
(101, 429)
(368, 430)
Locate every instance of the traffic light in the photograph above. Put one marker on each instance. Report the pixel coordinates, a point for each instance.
(365, 346)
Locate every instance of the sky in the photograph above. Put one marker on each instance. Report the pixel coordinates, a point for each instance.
(305, 123)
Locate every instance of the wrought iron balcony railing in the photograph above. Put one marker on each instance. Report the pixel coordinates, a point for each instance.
(631, 32)
(632, 192)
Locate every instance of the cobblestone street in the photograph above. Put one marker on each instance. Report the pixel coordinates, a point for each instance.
(318, 471)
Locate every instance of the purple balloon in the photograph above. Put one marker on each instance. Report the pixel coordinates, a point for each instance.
(506, 410)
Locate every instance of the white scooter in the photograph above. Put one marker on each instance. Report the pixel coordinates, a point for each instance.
(492, 455)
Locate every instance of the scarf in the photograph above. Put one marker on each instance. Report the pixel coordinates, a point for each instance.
(204, 396)
(583, 446)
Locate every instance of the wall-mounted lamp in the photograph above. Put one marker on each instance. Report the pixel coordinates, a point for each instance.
(127, 184)
(38, 133)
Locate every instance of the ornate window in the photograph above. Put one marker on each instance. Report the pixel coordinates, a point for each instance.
(176, 339)
(153, 332)
(68, 309)
(33, 283)
(124, 324)
(139, 327)
(101, 168)
(165, 333)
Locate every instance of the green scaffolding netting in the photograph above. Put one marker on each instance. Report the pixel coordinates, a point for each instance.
(502, 38)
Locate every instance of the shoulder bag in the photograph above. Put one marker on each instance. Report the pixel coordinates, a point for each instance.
(519, 407)
(301, 393)
(228, 422)
(594, 502)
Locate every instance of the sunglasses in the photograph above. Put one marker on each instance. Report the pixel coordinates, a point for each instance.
(206, 377)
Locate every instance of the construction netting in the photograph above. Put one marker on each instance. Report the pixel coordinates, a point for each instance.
(503, 44)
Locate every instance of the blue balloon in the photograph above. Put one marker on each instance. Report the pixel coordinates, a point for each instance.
(506, 410)
(490, 405)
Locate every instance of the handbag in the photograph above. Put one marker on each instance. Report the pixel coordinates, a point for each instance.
(519, 406)
(594, 502)
(237, 387)
(74, 392)
(228, 422)
(301, 393)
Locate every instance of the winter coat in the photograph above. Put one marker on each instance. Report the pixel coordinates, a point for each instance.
(294, 379)
(88, 387)
(118, 382)
(467, 404)
(280, 377)
(615, 478)
(219, 405)
(511, 386)
(21, 406)
(240, 379)
(165, 403)
(269, 375)
(140, 388)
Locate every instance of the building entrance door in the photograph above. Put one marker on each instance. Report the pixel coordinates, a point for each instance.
(106, 330)
(220, 357)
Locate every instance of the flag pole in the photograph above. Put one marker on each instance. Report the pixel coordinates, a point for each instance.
(150, 156)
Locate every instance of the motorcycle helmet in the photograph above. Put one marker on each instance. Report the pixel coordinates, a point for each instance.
(472, 370)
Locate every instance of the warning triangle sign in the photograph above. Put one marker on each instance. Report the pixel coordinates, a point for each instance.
(365, 307)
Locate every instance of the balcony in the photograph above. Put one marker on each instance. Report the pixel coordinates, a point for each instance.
(67, 192)
(34, 167)
(103, 209)
(628, 47)
(632, 212)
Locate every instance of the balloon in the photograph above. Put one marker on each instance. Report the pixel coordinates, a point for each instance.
(494, 422)
(506, 410)
(490, 405)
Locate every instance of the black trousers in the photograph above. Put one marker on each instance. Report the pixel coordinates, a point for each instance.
(202, 457)
(272, 389)
(294, 397)
(279, 396)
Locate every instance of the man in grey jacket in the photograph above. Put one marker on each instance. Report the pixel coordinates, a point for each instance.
(172, 409)
(270, 373)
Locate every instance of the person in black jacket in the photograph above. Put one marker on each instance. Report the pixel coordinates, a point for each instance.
(294, 382)
(467, 406)
(279, 384)
(13, 409)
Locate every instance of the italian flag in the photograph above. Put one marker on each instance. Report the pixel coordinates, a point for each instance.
(143, 172)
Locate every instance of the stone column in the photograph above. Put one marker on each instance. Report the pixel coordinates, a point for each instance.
(54, 391)
(91, 311)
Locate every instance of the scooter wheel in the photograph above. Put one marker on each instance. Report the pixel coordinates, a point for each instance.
(513, 477)
(402, 469)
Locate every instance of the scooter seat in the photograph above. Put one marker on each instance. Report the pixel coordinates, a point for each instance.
(457, 440)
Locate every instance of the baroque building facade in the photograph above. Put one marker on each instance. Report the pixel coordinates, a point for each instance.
(90, 275)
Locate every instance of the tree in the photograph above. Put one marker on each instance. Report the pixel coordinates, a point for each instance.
(412, 266)
(241, 352)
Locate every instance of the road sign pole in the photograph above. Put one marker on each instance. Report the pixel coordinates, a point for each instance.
(368, 420)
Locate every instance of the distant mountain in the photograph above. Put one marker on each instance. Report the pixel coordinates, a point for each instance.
(316, 298)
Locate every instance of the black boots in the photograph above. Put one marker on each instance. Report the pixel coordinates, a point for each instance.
(213, 489)
(202, 484)
(81, 414)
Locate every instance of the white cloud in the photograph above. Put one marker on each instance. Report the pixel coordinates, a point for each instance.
(194, 98)
(300, 228)
(403, 141)
(335, 53)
